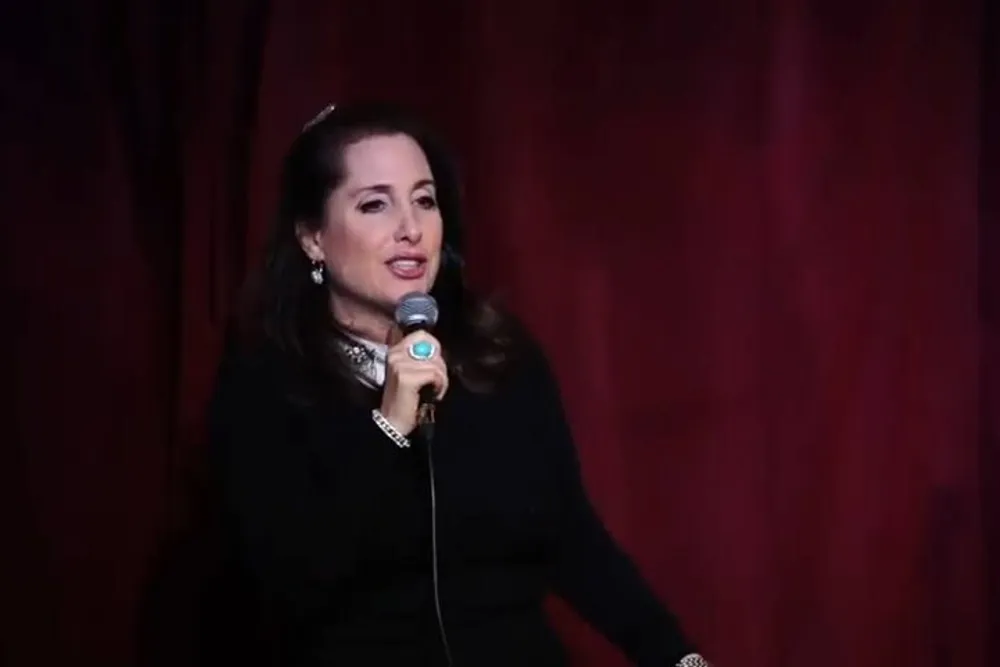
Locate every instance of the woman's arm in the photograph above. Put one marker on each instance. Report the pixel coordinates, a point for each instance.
(589, 570)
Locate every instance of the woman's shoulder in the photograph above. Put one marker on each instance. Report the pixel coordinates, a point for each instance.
(249, 363)
(528, 368)
(258, 373)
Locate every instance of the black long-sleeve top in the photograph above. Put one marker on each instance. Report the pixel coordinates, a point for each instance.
(330, 522)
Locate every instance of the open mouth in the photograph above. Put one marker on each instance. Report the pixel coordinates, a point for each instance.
(407, 268)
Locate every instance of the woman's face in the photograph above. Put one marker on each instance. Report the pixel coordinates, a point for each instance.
(381, 233)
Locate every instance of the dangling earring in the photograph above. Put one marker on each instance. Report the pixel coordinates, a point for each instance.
(317, 272)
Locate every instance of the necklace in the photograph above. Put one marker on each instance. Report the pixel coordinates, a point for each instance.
(369, 359)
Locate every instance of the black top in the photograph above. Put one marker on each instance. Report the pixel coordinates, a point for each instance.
(331, 525)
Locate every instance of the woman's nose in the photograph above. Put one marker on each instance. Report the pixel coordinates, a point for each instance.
(409, 226)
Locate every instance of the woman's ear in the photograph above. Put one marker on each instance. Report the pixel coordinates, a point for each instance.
(311, 241)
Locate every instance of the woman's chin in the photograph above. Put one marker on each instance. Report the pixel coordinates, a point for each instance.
(403, 287)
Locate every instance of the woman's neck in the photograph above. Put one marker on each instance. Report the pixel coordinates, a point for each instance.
(365, 323)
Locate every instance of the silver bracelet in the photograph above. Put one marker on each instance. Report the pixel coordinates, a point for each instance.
(401, 440)
(693, 660)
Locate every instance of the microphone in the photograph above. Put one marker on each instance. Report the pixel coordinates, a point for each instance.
(417, 311)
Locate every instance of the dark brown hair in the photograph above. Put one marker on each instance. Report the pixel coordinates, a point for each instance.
(291, 315)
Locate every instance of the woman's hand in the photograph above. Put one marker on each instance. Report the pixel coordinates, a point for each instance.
(405, 376)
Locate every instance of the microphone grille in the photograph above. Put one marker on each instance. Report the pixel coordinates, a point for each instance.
(417, 309)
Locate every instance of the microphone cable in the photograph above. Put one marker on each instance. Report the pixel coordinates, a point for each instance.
(427, 434)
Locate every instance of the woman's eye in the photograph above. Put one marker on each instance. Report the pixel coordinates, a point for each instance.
(372, 206)
(427, 202)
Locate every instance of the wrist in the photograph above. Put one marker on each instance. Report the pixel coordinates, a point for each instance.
(391, 430)
(404, 426)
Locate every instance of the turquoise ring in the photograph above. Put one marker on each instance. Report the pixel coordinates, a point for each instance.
(421, 350)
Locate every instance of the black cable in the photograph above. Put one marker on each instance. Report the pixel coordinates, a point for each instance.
(427, 434)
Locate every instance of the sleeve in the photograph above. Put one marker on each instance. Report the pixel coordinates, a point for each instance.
(281, 524)
(588, 569)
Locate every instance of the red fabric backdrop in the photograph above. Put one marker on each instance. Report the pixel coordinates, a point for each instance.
(746, 233)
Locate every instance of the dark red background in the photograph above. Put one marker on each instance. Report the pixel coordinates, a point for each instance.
(759, 239)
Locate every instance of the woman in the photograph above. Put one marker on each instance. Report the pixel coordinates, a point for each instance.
(361, 544)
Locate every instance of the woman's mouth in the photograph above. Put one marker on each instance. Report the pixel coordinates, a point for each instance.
(407, 268)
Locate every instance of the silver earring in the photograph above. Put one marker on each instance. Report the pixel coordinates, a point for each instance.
(317, 273)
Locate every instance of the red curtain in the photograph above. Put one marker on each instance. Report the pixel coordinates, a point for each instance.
(759, 240)
(989, 319)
